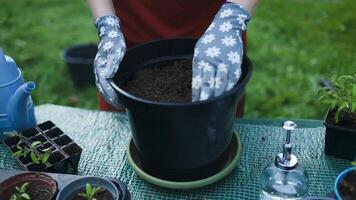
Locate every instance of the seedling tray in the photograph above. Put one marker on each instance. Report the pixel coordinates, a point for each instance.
(65, 152)
(64, 179)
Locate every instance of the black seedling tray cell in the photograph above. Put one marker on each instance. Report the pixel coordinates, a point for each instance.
(64, 179)
(65, 152)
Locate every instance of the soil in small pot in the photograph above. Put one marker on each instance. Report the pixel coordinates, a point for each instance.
(348, 186)
(102, 195)
(346, 119)
(168, 83)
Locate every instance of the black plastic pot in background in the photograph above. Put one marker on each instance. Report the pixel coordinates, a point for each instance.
(80, 60)
(178, 141)
(340, 141)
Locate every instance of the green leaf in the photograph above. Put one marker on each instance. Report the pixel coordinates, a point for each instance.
(36, 144)
(48, 149)
(82, 194)
(25, 153)
(19, 147)
(17, 154)
(88, 188)
(25, 196)
(34, 158)
(45, 157)
(23, 187)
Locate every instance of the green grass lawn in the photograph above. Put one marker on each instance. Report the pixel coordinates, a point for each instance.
(292, 43)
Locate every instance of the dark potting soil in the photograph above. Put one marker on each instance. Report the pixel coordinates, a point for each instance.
(102, 195)
(169, 83)
(38, 191)
(346, 119)
(348, 186)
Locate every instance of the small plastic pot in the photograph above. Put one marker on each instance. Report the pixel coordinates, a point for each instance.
(74, 187)
(178, 139)
(339, 180)
(41, 186)
(339, 140)
(80, 60)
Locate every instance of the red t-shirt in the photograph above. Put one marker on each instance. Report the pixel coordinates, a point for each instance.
(147, 20)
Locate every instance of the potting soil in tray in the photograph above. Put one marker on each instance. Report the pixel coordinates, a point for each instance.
(348, 186)
(168, 83)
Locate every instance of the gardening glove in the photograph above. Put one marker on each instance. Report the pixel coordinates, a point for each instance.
(218, 53)
(111, 50)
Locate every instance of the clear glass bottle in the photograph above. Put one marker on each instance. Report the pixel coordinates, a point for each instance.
(285, 178)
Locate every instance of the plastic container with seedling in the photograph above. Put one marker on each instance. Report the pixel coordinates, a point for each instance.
(340, 120)
(89, 188)
(28, 185)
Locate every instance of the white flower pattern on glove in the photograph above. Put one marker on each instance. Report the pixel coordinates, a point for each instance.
(218, 53)
(111, 50)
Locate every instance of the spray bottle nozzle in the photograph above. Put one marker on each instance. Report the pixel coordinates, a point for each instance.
(287, 159)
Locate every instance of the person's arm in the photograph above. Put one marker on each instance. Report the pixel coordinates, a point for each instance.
(111, 48)
(250, 5)
(101, 7)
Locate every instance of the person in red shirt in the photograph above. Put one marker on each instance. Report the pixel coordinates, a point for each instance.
(122, 24)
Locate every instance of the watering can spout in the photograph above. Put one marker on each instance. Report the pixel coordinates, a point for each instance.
(18, 107)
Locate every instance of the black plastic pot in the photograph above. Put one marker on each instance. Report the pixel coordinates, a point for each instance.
(80, 60)
(178, 141)
(340, 141)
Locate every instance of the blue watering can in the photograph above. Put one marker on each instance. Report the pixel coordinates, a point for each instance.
(16, 107)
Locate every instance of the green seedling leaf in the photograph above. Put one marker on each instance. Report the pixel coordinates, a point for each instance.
(25, 196)
(35, 144)
(34, 158)
(17, 154)
(23, 187)
(82, 194)
(45, 157)
(48, 149)
(25, 153)
(88, 189)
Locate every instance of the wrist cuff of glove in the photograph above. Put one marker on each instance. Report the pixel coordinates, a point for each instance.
(107, 20)
(240, 12)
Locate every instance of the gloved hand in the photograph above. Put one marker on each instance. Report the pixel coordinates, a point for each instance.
(111, 50)
(218, 53)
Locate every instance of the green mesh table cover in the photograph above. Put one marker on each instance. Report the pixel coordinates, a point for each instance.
(104, 135)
